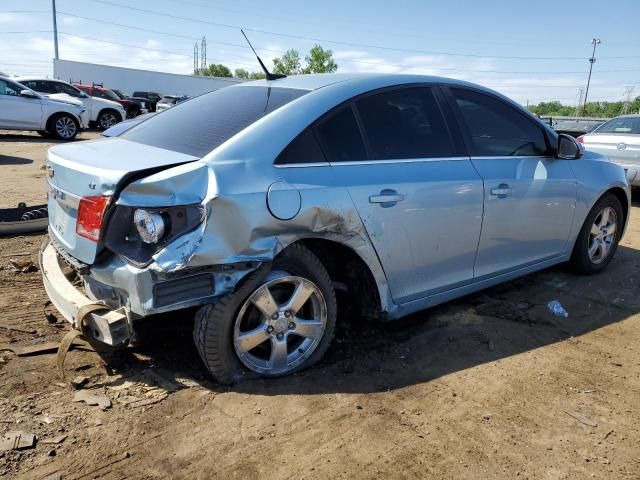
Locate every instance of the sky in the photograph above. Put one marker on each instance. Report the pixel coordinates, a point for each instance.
(529, 51)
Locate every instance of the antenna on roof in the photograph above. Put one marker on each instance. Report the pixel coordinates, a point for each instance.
(268, 74)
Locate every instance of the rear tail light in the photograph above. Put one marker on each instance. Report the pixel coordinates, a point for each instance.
(580, 139)
(90, 215)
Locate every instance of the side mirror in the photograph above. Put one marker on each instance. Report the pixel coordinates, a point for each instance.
(569, 148)
(28, 94)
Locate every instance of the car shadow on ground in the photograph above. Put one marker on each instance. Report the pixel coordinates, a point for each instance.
(496, 323)
(35, 138)
(13, 160)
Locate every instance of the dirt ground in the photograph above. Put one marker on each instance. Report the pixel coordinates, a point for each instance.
(489, 386)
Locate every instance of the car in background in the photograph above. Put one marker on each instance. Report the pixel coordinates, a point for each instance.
(256, 201)
(132, 108)
(143, 102)
(619, 140)
(102, 113)
(23, 109)
(122, 127)
(169, 101)
(152, 97)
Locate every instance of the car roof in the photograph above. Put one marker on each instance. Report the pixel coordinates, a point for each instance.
(39, 79)
(319, 80)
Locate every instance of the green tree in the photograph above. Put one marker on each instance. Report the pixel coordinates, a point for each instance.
(288, 64)
(215, 70)
(241, 73)
(257, 76)
(320, 60)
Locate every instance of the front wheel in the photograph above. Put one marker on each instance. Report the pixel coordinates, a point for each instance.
(275, 326)
(107, 119)
(64, 127)
(599, 236)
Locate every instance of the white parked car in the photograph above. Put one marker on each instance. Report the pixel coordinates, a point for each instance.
(102, 112)
(23, 109)
(618, 139)
(169, 101)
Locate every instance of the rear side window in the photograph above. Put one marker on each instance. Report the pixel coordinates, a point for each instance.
(621, 125)
(340, 137)
(203, 123)
(303, 149)
(404, 123)
(496, 129)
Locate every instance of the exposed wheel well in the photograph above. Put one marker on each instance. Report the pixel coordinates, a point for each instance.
(356, 288)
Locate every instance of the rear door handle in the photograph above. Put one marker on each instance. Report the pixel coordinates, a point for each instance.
(502, 191)
(387, 198)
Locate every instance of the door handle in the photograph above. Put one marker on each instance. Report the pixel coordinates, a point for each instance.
(386, 198)
(502, 191)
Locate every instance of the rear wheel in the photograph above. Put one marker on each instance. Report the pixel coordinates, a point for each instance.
(63, 126)
(599, 236)
(273, 327)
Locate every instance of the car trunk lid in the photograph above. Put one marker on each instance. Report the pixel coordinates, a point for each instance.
(620, 148)
(95, 168)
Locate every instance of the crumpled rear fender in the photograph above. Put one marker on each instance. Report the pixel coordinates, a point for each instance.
(239, 229)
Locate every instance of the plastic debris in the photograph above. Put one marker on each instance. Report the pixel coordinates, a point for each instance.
(557, 309)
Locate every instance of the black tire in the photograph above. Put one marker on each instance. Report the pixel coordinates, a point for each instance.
(56, 121)
(107, 119)
(580, 261)
(214, 324)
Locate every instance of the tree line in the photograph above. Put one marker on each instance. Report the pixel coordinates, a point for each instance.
(318, 60)
(591, 109)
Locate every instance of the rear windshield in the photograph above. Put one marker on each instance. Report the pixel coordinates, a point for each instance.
(621, 125)
(203, 123)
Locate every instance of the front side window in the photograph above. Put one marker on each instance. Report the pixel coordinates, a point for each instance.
(621, 125)
(496, 129)
(340, 137)
(205, 122)
(9, 89)
(404, 123)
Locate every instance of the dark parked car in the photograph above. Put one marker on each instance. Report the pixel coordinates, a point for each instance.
(152, 97)
(132, 108)
(142, 102)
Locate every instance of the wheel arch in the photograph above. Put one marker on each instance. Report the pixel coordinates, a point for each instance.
(109, 109)
(353, 279)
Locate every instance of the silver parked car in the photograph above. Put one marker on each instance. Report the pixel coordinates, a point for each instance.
(619, 140)
(256, 202)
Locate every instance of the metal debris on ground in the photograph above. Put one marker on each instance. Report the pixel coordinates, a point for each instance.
(54, 440)
(17, 441)
(557, 309)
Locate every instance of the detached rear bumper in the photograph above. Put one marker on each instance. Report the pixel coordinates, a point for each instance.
(106, 325)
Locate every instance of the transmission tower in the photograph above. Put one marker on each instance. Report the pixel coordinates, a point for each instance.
(195, 58)
(628, 92)
(579, 104)
(203, 53)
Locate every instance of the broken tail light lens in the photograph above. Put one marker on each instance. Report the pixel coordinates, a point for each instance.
(90, 216)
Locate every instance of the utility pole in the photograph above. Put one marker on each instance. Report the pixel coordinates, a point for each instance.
(595, 42)
(55, 29)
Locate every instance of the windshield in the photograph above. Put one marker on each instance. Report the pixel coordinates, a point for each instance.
(110, 95)
(621, 125)
(203, 123)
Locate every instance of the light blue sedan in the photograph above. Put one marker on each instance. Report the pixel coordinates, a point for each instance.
(257, 202)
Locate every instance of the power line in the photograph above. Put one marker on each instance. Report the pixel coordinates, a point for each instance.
(337, 42)
(363, 62)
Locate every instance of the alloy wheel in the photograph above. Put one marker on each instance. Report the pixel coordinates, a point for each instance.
(280, 325)
(602, 235)
(108, 120)
(65, 127)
